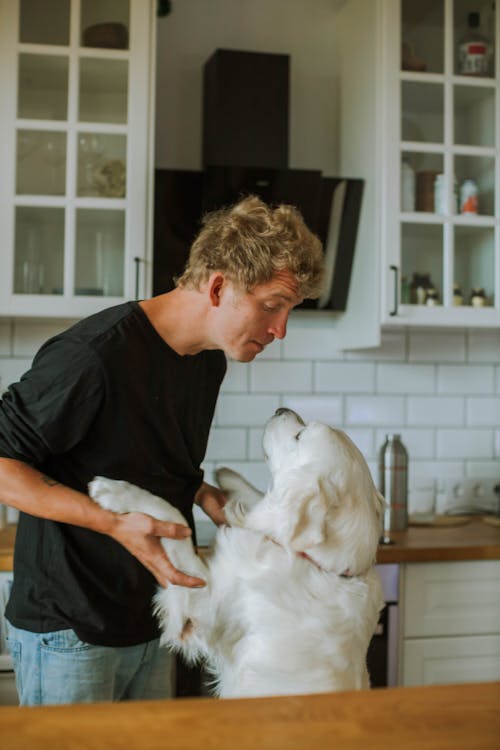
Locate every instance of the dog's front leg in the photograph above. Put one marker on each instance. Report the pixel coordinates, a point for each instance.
(123, 497)
(178, 608)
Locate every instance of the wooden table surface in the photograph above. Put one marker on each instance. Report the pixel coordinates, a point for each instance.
(476, 540)
(456, 717)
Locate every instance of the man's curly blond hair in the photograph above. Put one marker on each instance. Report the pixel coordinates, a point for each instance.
(249, 242)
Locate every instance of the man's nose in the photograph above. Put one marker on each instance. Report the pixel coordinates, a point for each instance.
(278, 326)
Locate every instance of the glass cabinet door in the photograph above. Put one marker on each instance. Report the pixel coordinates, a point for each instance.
(71, 146)
(449, 172)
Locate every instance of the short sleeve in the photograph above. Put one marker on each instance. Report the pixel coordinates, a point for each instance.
(51, 408)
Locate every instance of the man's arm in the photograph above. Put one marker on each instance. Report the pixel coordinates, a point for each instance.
(30, 491)
(212, 501)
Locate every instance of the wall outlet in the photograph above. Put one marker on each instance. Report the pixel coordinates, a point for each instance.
(471, 495)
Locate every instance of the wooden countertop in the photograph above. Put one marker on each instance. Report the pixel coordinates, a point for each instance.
(475, 540)
(458, 717)
(7, 537)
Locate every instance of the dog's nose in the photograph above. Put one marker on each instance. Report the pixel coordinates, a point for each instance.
(282, 410)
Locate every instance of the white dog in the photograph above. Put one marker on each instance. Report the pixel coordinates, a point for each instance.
(292, 598)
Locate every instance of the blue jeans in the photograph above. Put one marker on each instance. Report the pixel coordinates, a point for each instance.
(54, 668)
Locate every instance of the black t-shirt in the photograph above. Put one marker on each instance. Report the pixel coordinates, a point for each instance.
(107, 397)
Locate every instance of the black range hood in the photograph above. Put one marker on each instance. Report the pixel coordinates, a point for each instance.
(242, 127)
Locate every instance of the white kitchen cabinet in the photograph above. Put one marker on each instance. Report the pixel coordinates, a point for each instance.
(450, 622)
(8, 692)
(446, 661)
(400, 129)
(76, 81)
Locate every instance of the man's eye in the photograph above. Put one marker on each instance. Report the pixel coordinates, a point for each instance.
(272, 308)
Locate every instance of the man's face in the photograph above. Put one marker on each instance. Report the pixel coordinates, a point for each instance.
(249, 321)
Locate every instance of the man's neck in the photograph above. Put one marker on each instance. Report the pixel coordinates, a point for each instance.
(179, 317)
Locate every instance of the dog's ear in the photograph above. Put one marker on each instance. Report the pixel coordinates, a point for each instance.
(305, 514)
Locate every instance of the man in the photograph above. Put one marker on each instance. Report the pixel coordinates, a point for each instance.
(130, 394)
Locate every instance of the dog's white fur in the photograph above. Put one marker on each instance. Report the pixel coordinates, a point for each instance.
(292, 597)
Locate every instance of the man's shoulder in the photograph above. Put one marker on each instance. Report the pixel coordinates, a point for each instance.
(102, 323)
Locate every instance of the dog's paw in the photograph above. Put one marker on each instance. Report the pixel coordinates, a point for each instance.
(228, 480)
(235, 512)
(108, 493)
(236, 487)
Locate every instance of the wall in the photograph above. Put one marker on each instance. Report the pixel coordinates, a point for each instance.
(441, 391)
(196, 28)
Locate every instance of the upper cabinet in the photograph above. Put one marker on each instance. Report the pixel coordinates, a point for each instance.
(76, 80)
(420, 120)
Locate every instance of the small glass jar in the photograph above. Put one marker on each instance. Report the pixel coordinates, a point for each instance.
(440, 206)
(431, 297)
(469, 197)
(478, 297)
(458, 297)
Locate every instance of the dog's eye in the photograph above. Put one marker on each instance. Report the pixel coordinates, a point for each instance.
(297, 436)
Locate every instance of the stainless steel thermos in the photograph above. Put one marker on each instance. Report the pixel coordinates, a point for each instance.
(393, 484)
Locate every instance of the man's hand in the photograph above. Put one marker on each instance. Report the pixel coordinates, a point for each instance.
(211, 500)
(141, 536)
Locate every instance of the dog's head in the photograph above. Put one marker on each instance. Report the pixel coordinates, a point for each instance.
(322, 500)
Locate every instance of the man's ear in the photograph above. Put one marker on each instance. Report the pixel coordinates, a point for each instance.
(215, 285)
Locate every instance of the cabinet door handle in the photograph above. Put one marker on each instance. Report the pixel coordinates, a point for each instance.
(137, 262)
(394, 311)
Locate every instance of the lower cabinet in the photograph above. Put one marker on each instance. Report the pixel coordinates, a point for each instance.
(450, 623)
(440, 661)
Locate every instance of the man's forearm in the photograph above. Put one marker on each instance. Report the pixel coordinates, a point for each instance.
(31, 491)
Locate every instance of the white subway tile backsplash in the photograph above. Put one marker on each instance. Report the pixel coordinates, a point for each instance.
(227, 443)
(466, 379)
(243, 411)
(483, 469)
(405, 378)
(464, 444)
(393, 347)
(483, 346)
(310, 337)
(255, 449)
(419, 442)
(374, 471)
(435, 346)
(316, 408)
(30, 335)
(435, 411)
(439, 390)
(374, 410)
(273, 350)
(437, 469)
(236, 380)
(276, 377)
(11, 371)
(483, 412)
(344, 377)
(5, 338)
(363, 439)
